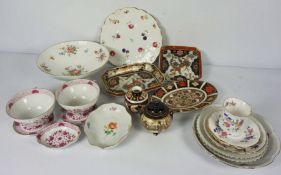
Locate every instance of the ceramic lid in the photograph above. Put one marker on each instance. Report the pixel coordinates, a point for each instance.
(136, 95)
(156, 110)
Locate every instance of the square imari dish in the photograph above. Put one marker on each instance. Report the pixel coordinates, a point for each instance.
(180, 62)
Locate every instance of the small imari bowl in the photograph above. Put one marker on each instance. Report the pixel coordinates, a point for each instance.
(59, 135)
(77, 98)
(108, 125)
(31, 110)
(234, 115)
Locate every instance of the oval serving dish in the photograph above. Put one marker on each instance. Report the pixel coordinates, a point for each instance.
(59, 135)
(73, 59)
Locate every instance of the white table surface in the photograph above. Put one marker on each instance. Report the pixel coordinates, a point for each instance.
(172, 152)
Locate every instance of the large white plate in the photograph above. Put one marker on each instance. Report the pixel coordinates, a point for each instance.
(73, 59)
(131, 36)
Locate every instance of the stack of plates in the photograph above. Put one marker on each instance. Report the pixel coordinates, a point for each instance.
(258, 154)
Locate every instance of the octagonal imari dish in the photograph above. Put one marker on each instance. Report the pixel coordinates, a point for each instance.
(186, 95)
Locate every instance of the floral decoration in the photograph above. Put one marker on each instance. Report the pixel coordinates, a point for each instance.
(110, 128)
(74, 71)
(68, 50)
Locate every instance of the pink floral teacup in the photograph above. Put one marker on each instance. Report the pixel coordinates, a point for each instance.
(234, 115)
(32, 110)
(78, 99)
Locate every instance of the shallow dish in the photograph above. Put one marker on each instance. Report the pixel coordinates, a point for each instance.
(31, 110)
(178, 62)
(186, 95)
(73, 59)
(119, 80)
(59, 135)
(78, 98)
(271, 152)
(108, 125)
(132, 36)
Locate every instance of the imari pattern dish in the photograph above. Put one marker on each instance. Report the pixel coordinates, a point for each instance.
(262, 157)
(180, 62)
(131, 36)
(77, 98)
(108, 125)
(119, 80)
(31, 110)
(73, 59)
(59, 135)
(186, 95)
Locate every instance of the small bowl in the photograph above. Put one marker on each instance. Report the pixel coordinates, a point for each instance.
(108, 125)
(73, 59)
(77, 98)
(59, 135)
(31, 110)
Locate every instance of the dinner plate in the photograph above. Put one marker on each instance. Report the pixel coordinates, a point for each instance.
(131, 36)
(271, 152)
(186, 95)
(73, 59)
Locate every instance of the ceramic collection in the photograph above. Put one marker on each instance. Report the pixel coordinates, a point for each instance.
(131, 41)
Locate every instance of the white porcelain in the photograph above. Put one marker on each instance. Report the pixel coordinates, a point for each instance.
(31, 110)
(131, 36)
(247, 136)
(108, 125)
(73, 59)
(271, 152)
(78, 98)
(59, 135)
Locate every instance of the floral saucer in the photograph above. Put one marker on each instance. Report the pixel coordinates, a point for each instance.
(249, 132)
(132, 36)
(59, 135)
(108, 125)
(73, 59)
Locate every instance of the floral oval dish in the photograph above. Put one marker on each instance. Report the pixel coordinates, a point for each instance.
(31, 110)
(77, 98)
(73, 59)
(59, 135)
(132, 36)
(108, 125)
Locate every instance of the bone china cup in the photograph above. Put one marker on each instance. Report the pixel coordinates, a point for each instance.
(31, 109)
(78, 98)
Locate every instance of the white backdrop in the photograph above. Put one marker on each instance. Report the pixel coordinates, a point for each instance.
(234, 32)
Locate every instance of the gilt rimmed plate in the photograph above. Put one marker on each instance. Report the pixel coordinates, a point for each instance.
(73, 59)
(180, 62)
(186, 95)
(108, 125)
(59, 135)
(131, 36)
(271, 152)
(119, 80)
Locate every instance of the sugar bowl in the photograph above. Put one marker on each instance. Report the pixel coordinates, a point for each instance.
(156, 117)
(136, 99)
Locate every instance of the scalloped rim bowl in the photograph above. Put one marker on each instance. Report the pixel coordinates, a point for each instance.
(108, 125)
(73, 59)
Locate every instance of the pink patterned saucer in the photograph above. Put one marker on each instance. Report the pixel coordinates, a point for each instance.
(76, 119)
(248, 134)
(59, 135)
(24, 129)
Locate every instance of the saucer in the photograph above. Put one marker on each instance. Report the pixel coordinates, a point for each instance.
(249, 134)
(75, 118)
(29, 129)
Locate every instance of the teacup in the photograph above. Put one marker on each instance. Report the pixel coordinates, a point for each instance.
(234, 115)
(32, 110)
(78, 99)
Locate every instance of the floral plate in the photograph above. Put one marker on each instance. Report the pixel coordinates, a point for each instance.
(119, 80)
(73, 59)
(186, 95)
(180, 62)
(271, 151)
(108, 125)
(59, 135)
(132, 36)
(249, 133)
